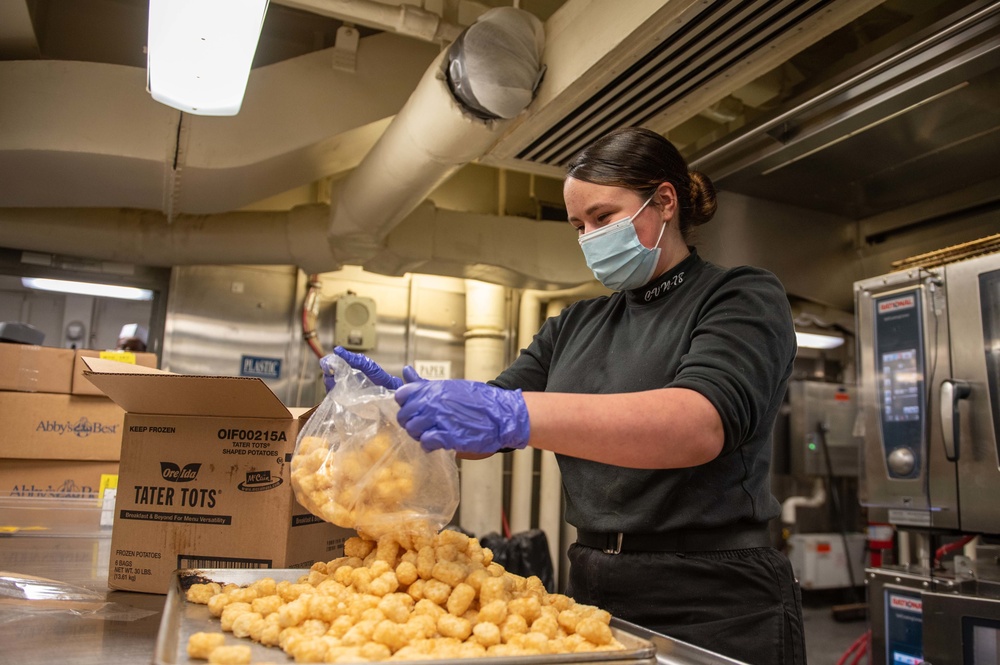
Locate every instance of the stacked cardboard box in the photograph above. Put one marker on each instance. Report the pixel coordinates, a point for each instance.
(205, 478)
(60, 437)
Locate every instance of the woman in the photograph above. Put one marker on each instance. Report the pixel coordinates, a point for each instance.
(659, 402)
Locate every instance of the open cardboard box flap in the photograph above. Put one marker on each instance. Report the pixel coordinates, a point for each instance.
(152, 391)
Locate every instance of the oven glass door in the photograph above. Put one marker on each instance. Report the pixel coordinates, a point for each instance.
(974, 313)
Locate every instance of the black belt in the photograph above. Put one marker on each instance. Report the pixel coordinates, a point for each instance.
(735, 537)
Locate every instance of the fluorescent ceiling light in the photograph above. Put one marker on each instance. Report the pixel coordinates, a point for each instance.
(199, 52)
(87, 288)
(817, 341)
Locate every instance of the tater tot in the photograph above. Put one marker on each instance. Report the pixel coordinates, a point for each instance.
(449, 572)
(568, 619)
(594, 630)
(374, 651)
(384, 584)
(494, 612)
(526, 606)
(388, 633)
(452, 626)
(436, 591)
(202, 593)
(201, 645)
(559, 601)
(514, 624)
(460, 600)
(425, 562)
(476, 577)
(241, 624)
(546, 625)
(419, 626)
(229, 614)
(487, 634)
(237, 654)
(406, 573)
(217, 603)
(494, 588)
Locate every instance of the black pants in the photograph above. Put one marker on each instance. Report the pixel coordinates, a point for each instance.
(744, 604)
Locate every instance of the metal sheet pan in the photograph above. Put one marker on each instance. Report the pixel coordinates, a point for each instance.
(181, 619)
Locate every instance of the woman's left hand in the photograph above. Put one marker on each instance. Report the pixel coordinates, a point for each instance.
(464, 416)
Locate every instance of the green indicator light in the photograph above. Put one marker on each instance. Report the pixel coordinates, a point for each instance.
(812, 446)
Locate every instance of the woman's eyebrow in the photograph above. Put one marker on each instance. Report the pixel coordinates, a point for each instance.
(590, 210)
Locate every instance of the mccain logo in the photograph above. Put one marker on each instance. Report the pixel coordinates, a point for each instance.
(258, 481)
(175, 474)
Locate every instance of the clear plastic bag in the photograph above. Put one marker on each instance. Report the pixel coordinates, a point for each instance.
(356, 467)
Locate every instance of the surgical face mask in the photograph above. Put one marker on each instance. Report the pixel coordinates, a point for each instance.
(617, 257)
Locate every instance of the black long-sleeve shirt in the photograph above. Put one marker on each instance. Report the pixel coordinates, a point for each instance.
(725, 333)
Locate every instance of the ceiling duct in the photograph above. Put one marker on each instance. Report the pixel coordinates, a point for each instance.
(718, 39)
(435, 133)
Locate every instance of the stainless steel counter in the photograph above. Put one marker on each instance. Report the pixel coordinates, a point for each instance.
(103, 627)
(100, 627)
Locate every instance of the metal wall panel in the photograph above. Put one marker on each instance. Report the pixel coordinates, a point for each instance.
(219, 314)
(216, 315)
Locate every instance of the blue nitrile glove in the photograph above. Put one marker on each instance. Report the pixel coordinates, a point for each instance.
(365, 365)
(464, 416)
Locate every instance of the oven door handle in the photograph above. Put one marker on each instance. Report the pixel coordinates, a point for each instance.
(952, 391)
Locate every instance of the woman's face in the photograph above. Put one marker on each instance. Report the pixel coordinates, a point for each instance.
(591, 207)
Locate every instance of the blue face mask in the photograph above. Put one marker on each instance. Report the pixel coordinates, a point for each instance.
(617, 257)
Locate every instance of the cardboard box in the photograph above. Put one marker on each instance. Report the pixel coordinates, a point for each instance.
(204, 480)
(65, 427)
(54, 479)
(35, 369)
(82, 385)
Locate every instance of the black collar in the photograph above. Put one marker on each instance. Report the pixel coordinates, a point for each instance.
(666, 283)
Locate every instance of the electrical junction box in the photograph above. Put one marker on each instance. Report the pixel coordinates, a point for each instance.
(354, 323)
(818, 559)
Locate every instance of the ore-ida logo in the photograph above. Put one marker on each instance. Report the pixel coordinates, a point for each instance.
(896, 304)
(258, 481)
(175, 474)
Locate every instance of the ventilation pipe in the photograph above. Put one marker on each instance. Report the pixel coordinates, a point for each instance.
(458, 110)
(482, 480)
(402, 19)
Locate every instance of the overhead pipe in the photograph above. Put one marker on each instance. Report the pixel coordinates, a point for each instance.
(430, 241)
(403, 19)
(435, 134)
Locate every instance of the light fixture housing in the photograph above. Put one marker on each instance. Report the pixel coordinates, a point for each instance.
(199, 53)
(807, 340)
(87, 288)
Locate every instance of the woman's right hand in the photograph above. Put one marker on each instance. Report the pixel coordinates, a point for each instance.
(366, 366)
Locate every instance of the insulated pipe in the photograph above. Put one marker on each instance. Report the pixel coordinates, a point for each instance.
(404, 19)
(482, 480)
(504, 250)
(789, 505)
(431, 137)
(428, 140)
(523, 462)
(145, 237)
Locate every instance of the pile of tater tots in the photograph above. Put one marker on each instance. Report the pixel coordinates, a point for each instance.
(402, 597)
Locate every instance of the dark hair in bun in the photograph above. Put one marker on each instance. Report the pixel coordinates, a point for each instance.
(640, 159)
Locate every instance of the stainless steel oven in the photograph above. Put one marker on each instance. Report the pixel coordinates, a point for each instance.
(929, 419)
(929, 383)
(944, 620)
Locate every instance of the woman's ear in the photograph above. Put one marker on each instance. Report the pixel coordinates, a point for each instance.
(666, 197)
